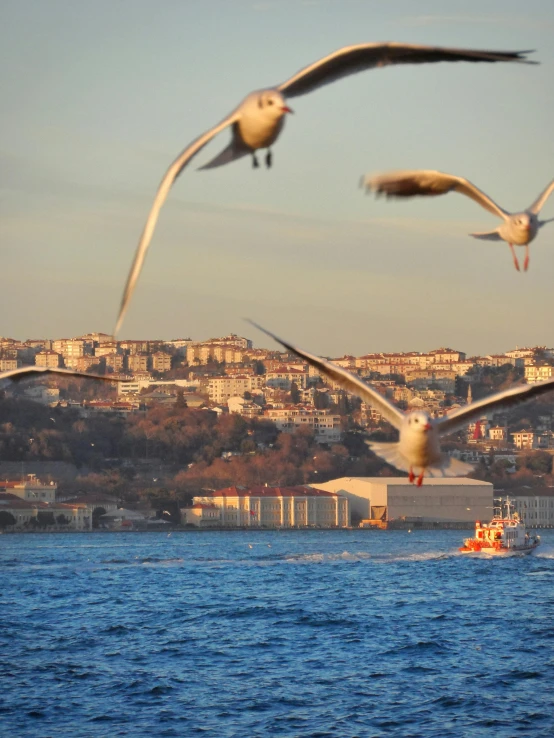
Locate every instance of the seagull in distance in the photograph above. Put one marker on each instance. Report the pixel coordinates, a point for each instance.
(417, 450)
(16, 375)
(258, 120)
(518, 228)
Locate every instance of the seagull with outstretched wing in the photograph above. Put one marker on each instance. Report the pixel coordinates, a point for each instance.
(517, 228)
(23, 372)
(417, 450)
(257, 122)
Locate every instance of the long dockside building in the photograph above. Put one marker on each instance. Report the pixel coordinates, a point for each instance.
(269, 507)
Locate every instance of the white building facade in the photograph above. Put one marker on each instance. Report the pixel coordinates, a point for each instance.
(269, 507)
(326, 427)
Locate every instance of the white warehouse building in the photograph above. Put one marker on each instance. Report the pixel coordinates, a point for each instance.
(387, 499)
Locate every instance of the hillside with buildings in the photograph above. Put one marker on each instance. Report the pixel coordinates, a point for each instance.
(192, 416)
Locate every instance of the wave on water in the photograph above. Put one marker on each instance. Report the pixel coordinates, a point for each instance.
(424, 556)
(320, 558)
(146, 561)
(316, 557)
(544, 552)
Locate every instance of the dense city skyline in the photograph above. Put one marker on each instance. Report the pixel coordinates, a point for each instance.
(265, 342)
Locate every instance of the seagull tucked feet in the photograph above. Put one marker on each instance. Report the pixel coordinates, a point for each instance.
(257, 122)
(518, 229)
(417, 450)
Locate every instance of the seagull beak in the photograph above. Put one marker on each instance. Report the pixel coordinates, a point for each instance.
(286, 109)
(427, 427)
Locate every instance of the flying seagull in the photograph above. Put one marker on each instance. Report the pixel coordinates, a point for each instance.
(417, 450)
(258, 120)
(16, 375)
(518, 228)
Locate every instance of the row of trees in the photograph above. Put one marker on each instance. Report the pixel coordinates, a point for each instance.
(184, 447)
(169, 453)
(43, 519)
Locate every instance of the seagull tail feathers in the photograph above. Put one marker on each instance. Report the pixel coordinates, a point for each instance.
(390, 453)
(230, 153)
(449, 467)
(487, 236)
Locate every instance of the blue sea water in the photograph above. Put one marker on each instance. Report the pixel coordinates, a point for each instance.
(332, 634)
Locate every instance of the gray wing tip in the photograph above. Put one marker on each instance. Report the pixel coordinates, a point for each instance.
(519, 56)
(368, 184)
(288, 346)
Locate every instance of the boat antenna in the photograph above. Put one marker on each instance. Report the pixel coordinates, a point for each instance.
(508, 509)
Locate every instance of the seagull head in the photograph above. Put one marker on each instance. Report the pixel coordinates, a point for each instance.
(273, 104)
(419, 422)
(523, 223)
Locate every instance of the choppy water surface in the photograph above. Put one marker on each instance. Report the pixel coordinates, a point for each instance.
(300, 634)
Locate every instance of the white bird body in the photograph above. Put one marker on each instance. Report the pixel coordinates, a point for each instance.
(517, 229)
(257, 129)
(419, 440)
(257, 122)
(261, 116)
(417, 450)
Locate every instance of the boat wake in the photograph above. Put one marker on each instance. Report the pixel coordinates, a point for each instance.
(545, 552)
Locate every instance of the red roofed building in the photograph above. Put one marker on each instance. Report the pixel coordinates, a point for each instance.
(30, 489)
(326, 427)
(50, 359)
(282, 378)
(269, 507)
(221, 388)
(202, 515)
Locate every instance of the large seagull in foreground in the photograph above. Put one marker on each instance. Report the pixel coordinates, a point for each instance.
(517, 228)
(257, 122)
(417, 450)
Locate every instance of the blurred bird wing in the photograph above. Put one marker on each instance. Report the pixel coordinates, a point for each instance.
(542, 198)
(27, 371)
(352, 59)
(410, 183)
(163, 190)
(346, 380)
(520, 393)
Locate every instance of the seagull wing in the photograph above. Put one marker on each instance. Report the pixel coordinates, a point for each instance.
(353, 59)
(542, 198)
(169, 178)
(513, 396)
(26, 371)
(346, 380)
(410, 183)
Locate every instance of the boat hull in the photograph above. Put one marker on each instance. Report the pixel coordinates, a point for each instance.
(499, 551)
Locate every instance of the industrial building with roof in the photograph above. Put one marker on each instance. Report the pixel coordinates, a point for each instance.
(451, 500)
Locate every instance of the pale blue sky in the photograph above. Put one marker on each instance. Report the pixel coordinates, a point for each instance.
(99, 97)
